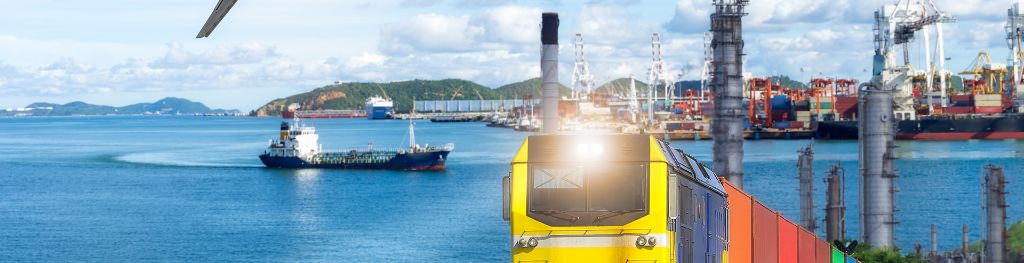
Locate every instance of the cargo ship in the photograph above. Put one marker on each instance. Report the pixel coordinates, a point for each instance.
(968, 117)
(324, 114)
(379, 108)
(298, 147)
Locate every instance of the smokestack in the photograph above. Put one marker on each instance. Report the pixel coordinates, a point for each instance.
(877, 190)
(835, 211)
(963, 239)
(805, 166)
(549, 71)
(727, 85)
(995, 215)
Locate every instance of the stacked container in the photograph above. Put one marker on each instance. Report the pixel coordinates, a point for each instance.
(846, 107)
(988, 103)
(782, 108)
(758, 234)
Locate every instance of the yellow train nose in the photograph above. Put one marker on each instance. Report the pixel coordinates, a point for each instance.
(596, 249)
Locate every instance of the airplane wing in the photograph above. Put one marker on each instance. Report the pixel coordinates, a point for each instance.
(223, 6)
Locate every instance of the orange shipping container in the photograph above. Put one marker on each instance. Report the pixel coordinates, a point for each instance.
(822, 251)
(766, 231)
(805, 246)
(787, 240)
(739, 225)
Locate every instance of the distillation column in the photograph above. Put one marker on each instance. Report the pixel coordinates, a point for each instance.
(727, 85)
(877, 189)
(805, 167)
(835, 210)
(995, 215)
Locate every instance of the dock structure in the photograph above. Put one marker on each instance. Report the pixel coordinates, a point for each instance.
(727, 85)
(877, 175)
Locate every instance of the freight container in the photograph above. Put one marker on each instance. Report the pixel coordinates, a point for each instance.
(961, 103)
(988, 110)
(765, 230)
(988, 103)
(688, 125)
(805, 246)
(782, 124)
(802, 105)
(673, 126)
(781, 102)
(822, 252)
(796, 124)
(781, 115)
(960, 98)
(821, 106)
(787, 240)
(837, 257)
(988, 97)
(739, 225)
(958, 110)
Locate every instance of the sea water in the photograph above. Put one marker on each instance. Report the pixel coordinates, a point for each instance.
(192, 189)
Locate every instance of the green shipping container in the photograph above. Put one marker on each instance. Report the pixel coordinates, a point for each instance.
(838, 257)
(824, 106)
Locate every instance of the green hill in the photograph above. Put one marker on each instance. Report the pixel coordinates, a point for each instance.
(621, 86)
(352, 96)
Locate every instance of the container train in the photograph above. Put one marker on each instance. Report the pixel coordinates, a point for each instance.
(633, 198)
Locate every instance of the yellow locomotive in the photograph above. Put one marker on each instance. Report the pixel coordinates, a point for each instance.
(613, 198)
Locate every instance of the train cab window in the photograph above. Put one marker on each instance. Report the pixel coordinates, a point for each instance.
(598, 195)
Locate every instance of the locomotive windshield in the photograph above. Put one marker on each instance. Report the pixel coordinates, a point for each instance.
(588, 195)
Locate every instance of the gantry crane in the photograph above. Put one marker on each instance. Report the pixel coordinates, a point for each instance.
(897, 25)
(1014, 38)
(986, 73)
(581, 78)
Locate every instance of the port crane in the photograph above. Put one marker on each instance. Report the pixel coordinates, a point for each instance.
(897, 25)
(705, 74)
(658, 75)
(581, 78)
(1014, 38)
(988, 76)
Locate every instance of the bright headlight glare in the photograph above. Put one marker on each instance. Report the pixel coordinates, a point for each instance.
(597, 148)
(533, 242)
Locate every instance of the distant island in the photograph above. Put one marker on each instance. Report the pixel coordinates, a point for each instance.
(165, 106)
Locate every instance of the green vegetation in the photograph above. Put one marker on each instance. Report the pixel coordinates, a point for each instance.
(352, 96)
(621, 86)
(867, 254)
(168, 105)
(788, 82)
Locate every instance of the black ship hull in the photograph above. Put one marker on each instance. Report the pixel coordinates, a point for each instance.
(945, 128)
(430, 160)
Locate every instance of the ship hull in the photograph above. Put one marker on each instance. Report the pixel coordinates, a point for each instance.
(405, 161)
(978, 128)
(378, 112)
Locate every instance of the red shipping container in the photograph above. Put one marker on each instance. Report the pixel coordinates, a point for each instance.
(796, 125)
(765, 233)
(957, 98)
(958, 110)
(822, 251)
(805, 246)
(988, 110)
(787, 240)
(740, 238)
(689, 126)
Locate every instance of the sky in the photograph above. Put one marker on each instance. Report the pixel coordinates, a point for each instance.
(120, 52)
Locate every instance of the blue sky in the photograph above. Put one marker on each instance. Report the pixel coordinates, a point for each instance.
(118, 52)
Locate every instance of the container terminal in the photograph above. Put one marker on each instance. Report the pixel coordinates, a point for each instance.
(656, 203)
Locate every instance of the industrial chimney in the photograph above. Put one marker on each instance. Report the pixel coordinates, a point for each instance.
(549, 71)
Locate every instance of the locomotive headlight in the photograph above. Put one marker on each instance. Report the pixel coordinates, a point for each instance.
(641, 241)
(527, 243)
(651, 241)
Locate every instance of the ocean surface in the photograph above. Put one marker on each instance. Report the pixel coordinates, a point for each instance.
(129, 189)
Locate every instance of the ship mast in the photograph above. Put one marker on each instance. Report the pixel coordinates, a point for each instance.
(412, 125)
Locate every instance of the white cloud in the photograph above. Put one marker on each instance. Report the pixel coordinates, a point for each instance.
(430, 33)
